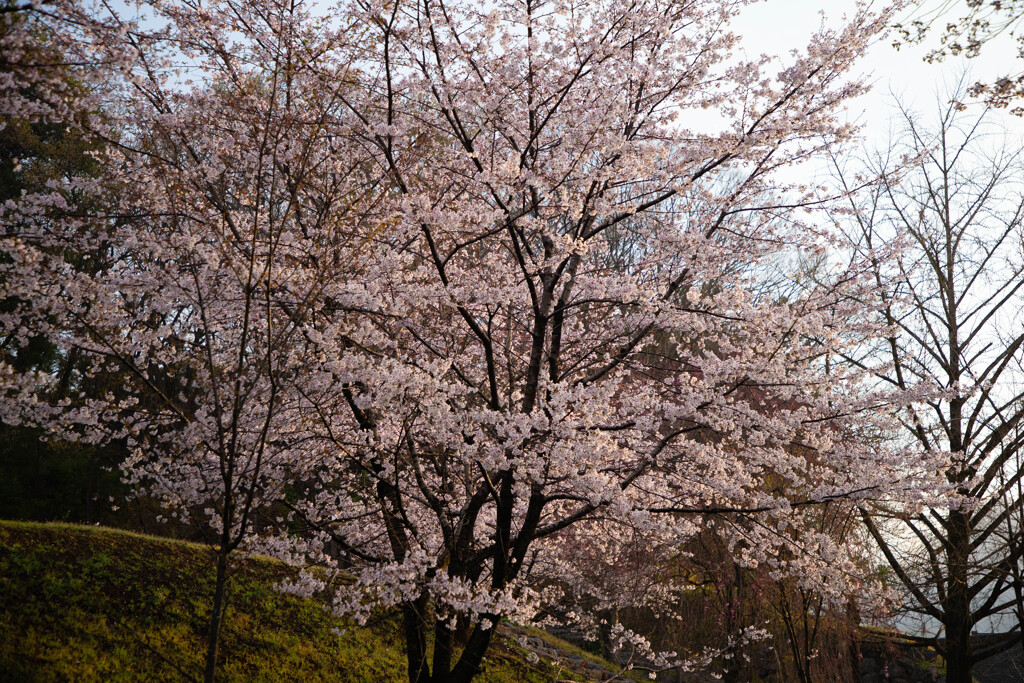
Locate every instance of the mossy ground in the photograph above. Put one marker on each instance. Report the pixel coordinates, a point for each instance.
(92, 604)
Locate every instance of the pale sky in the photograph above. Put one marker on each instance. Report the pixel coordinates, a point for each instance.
(777, 26)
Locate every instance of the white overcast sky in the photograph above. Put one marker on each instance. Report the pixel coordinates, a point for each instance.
(777, 26)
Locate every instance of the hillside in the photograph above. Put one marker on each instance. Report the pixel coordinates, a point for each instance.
(94, 604)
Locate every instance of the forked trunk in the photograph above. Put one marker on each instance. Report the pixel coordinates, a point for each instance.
(468, 664)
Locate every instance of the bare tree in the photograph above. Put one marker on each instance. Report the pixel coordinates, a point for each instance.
(952, 301)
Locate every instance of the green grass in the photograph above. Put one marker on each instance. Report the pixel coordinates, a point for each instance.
(571, 649)
(93, 604)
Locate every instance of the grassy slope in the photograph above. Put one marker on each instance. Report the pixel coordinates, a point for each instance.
(90, 604)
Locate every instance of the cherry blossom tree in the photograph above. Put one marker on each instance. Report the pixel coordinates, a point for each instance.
(191, 270)
(445, 281)
(41, 44)
(510, 371)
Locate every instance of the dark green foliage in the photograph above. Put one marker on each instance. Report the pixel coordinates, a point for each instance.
(31, 154)
(41, 480)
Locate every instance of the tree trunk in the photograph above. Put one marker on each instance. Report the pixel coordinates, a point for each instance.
(414, 623)
(853, 618)
(217, 615)
(443, 639)
(957, 605)
(958, 661)
(472, 657)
